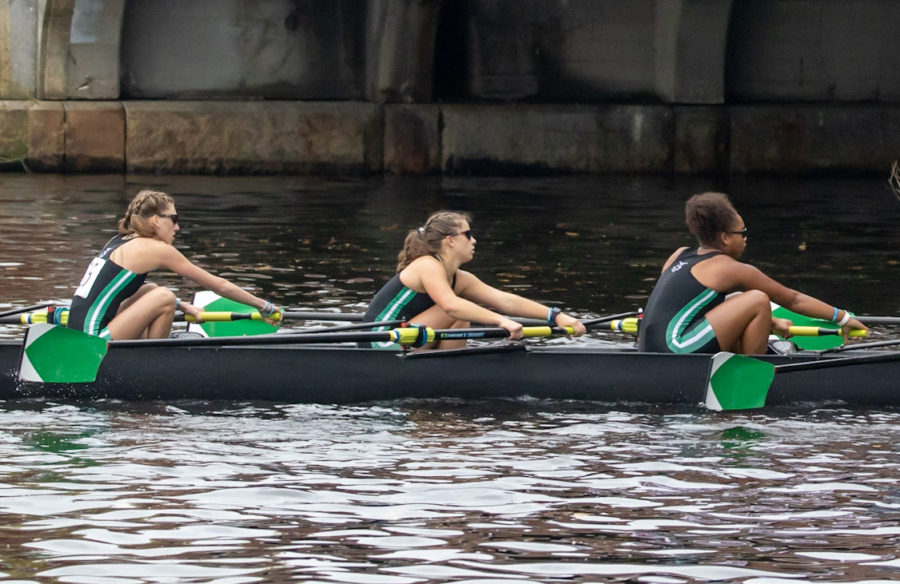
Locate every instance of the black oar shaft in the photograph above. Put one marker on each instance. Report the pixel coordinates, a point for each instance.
(16, 311)
(842, 362)
(882, 320)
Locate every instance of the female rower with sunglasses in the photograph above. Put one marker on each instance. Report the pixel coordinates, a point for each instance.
(113, 301)
(429, 288)
(691, 309)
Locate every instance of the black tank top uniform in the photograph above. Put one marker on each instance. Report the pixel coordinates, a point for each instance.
(397, 302)
(103, 288)
(675, 317)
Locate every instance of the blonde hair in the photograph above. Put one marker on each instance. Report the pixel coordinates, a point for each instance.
(144, 205)
(427, 239)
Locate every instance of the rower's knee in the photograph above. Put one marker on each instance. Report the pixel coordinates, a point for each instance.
(163, 298)
(759, 300)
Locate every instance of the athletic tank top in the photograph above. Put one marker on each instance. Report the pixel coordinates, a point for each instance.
(396, 302)
(103, 288)
(677, 304)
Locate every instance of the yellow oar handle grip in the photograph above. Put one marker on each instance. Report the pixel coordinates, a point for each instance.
(529, 332)
(625, 325)
(412, 335)
(815, 331)
(230, 316)
(41, 317)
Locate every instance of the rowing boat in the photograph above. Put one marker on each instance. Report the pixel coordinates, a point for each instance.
(280, 371)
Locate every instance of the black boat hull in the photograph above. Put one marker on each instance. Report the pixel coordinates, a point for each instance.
(343, 374)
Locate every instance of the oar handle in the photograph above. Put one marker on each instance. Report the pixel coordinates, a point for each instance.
(59, 316)
(223, 316)
(417, 336)
(816, 331)
(625, 325)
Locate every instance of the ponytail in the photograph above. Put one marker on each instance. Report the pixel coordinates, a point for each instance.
(427, 239)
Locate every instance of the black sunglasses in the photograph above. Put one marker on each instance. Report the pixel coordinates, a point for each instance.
(172, 216)
(743, 232)
(467, 233)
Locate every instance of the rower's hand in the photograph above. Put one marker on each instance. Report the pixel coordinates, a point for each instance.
(782, 327)
(852, 324)
(191, 310)
(565, 320)
(514, 328)
(276, 318)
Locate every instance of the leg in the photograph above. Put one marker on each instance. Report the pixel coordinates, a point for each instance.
(436, 318)
(148, 313)
(742, 323)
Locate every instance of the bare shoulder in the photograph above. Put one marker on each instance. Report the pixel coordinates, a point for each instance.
(672, 257)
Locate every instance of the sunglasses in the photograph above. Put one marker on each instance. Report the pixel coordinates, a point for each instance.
(743, 232)
(172, 216)
(467, 233)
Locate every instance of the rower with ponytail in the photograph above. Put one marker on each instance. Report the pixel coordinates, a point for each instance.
(430, 289)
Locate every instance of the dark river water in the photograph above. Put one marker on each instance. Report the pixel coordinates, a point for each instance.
(476, 492)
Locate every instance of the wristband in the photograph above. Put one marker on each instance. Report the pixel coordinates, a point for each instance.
(834, 316)
(267, 310)
(844, 320)
(552, 314)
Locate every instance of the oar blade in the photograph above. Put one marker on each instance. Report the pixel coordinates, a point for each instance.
(55, 354)
(810, 343)
(736, 382)
(212, 302)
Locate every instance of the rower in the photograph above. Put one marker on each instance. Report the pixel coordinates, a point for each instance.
(430, 289)
(113, 301)
(692, 308)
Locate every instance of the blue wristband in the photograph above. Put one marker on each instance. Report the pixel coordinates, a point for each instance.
(552, 314)
(834, 316)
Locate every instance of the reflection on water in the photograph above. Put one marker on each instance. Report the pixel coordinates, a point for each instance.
(446, 491)
(475, 492)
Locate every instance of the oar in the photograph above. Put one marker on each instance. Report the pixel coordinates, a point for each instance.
(858, 346)
(61, 316)
(809, 343)
(818, 331)
(879, 320)
(228, 318)
(829, 333)
(25, 309)
(738, 382)
(60, 355)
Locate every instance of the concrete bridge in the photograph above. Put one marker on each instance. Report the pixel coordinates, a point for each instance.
(466, 86)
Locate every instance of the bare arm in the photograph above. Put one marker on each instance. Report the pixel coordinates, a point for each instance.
(747, 277)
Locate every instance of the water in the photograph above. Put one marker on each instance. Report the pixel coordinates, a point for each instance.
(446, 491)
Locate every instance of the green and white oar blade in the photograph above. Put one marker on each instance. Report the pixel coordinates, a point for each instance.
(737, 382)
(56, 354)
(818, 343)
(212, 302)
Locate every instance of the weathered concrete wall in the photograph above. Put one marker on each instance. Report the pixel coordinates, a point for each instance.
(273, 49)
(18, 48)
(360, 137)
(428, 86)
(821, 50)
